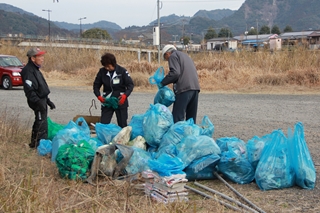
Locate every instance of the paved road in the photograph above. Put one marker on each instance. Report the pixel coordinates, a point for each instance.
(240, 115)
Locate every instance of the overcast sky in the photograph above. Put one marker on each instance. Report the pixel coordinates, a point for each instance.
(125, 13)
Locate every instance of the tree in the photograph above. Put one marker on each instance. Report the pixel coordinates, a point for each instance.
(287, 29)
(275, 30)
(252, 31)
(224, 33)
(96, 33)
(186, 40)
(264, 30)
(211, 33)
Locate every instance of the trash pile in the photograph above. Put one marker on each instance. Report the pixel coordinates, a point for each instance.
(153, 142)
(169, 154)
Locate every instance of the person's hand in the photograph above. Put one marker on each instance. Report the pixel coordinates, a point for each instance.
(160, 85)
(122, 99)
(51, 104)
(101, 99)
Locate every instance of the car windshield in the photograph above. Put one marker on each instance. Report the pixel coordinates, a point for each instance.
(10, 62)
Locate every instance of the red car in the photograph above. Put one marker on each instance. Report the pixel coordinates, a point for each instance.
(10, 68)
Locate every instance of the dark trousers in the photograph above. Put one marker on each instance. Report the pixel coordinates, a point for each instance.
(39, 128)
(185, 106)
(121, 113)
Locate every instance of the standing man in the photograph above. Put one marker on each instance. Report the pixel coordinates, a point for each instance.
(117, 86)
(37, 91)
(184, 77)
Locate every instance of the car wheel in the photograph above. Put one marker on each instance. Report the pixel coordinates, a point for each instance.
(6, 82)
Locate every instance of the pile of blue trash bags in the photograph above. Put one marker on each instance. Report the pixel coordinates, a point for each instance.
(273, 161)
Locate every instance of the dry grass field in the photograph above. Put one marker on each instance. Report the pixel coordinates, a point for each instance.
(286, 71)
(30, 183)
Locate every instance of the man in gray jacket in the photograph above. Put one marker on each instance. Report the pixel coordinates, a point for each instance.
(184, 77)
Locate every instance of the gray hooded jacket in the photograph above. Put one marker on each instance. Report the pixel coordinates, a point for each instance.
(182, 74)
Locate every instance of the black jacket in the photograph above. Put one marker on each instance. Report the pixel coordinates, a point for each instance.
(34, 85)
(119, 83)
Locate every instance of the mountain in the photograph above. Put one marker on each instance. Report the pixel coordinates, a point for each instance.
(111, 27)
(10, 8)
(214, 14)
(299, 14)
(99, 24)
(23, 23)
(172, 19)
(17, 21)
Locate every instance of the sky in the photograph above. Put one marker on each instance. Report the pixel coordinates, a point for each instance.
(125, 13)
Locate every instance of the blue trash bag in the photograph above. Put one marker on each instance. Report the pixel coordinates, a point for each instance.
(164, 96)
(202, 168)
(106, 132)
(237, 145)
(158, 76)
(274, 170)
(45, 147)
(95, 143)
(158, 119)
(305, 172)
(255, 147)
(136, 123)
(72, 133)
(166, 165)
(178, 131)
(207, 126)
(138, 161)
(235, 166)
(194, 147)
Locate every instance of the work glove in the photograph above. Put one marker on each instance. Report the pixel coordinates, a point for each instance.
(101, 99)
(122, 99)
(159, 85)
(51, 104)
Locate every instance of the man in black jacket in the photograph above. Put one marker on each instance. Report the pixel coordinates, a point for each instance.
(36, 90)
(117, 86)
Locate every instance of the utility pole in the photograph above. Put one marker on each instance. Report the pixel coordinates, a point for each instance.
(175, 38)
(257, 34)
(80, 26)
(158, 3)
(49, 11)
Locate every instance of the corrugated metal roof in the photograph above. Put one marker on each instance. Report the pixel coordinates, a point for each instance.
(224, 39)
(295, 35)
(260, 37)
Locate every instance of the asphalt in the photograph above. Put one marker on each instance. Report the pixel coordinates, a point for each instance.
(239, 115)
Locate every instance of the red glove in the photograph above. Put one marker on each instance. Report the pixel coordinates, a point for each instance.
(122, 99)
(101, 99)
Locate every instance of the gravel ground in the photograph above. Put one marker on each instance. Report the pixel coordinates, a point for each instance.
(239, 115)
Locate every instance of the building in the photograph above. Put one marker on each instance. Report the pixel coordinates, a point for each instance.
(314, 40)
(295, 38)
(222, 44)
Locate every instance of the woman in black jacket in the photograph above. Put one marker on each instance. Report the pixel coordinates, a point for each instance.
(117, 85)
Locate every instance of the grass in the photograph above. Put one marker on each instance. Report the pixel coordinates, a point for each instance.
(244, 71)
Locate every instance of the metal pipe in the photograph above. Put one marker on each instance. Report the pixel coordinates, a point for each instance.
(209, 196)
(237, 193)
(226, 197)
